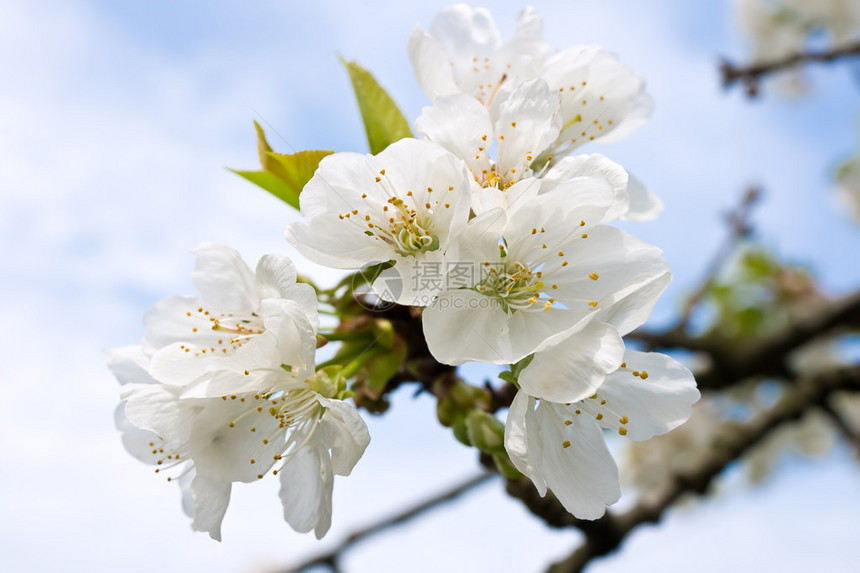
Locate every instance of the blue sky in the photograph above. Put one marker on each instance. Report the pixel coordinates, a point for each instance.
(117, 120)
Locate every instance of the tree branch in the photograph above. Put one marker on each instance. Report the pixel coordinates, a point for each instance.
(731, 363)
(752, 74)
(332, 557)
(739, 228)
(842, 425)
(609, 532)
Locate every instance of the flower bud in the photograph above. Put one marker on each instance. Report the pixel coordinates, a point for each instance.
(460, 431)
(485, 432)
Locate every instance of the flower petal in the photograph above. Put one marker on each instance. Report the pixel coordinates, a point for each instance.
(276, 278)
(462, 325)
(335, 190)
(624, 267)
(135, 440)
(460, 124)
(576, 367)
(211, 498)
(431, 64)
(594, 165)
(156, 407)
(468, 36)
(306, 488)
(629, 308)
(345, 434)
(517, 439)
(129, 364)
(176, 319)
(599, 96)
(364, 209)
(653, 405)
(644, 205)
(571, 459)
(223, 279)
(528, 122)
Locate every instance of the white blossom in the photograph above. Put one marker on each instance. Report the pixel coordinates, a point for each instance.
(224, 390)
(462, 52)
(187, 334)
(601, 99)
(539, 272)
(560, 446)
(403, 205)
(527, 123)
(531, 126)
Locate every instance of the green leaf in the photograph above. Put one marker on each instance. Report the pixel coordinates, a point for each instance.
(283, 175)
(271, 183)
(263, 147)
(383, 120)
(295, 170)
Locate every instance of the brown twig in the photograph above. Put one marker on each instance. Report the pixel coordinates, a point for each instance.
(752, 74)
(739, 228)
(730, 362)
(331, 558)
(608, 533)
(842, 425)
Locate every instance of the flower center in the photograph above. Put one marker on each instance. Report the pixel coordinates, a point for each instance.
(239, 327)
(296, 414)
(603, 412)
(490, 179)
(409, 235)
(403, 221)
(514, 285)
(218, 332)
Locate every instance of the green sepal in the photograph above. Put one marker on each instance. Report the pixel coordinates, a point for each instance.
(508, 376)
(513, 375)
(328, 382)
(505, 466)
(517, 368)
(344, 394)
(383, 120)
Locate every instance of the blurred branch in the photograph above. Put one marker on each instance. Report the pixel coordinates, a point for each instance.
(842, 425)
(731, 362)
(739, 228)
(331, 558)
(606, 534)
(751, 75)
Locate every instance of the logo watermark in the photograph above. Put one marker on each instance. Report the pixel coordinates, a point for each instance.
(426, 283)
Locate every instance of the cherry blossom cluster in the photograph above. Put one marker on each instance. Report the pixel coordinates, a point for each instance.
(493, 227)
(224, 389)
